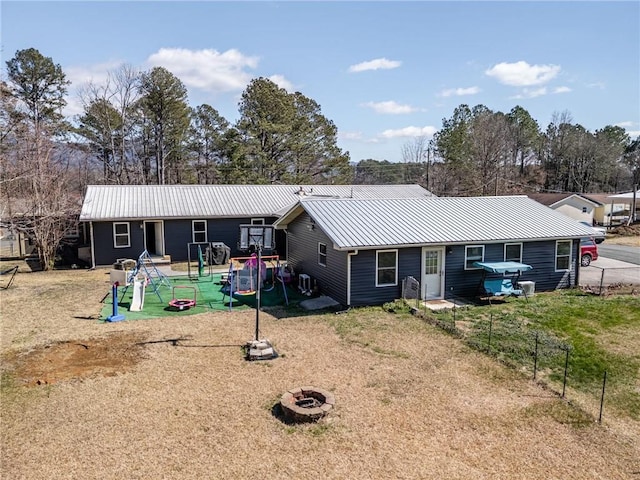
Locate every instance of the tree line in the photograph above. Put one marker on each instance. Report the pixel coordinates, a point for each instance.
(138, 128)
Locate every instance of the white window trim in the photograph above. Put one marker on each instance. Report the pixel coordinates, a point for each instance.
(116, 235)
(511, 244)
(558, 242)
(193, 231)
(466, 258)
(257, 221)
(378, 252)
(321, 255)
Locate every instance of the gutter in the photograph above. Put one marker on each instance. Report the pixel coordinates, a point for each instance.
(457, 242)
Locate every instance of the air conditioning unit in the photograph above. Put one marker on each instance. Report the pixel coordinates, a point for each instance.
(529, 288)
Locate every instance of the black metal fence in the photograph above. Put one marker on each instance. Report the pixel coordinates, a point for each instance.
(512, 341)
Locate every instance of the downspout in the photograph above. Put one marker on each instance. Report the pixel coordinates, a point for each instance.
(93, 254)
(578, 263)
(349, 255)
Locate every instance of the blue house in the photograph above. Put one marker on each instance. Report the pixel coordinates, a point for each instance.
(125, 220)
(359, 250)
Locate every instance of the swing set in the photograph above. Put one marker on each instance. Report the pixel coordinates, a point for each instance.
(242, 278)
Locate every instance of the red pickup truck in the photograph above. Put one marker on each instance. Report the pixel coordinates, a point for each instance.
(588, 251)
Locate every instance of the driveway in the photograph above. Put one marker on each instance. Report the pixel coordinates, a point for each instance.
(615, 271)
(623, 253)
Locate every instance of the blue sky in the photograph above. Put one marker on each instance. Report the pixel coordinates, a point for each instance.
(383, 72)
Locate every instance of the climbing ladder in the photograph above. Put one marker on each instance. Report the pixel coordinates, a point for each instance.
(155, 277)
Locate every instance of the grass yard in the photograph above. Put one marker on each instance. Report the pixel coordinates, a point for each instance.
(173, 397)
(601, 334)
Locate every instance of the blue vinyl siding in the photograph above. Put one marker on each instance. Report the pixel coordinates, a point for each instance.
(177, 235)
(302, 256)
(105, 253)
(363, 276)
(540, 255)
(302, 244)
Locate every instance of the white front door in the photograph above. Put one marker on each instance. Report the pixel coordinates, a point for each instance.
(432, 273)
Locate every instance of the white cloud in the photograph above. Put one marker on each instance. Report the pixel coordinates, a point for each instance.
(377, 64)
(96, 74)
(633, 134)
(357, 137)
(459, 92)
(624, 124)
(207, 69)
(389, 107)
(521, 74)
(427, 131)
(561, 90)
(531, 93)
(282, 82)
(350, 135)
(80, 77)
(599, 85)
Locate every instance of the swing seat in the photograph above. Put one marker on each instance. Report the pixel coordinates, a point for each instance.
(500, 287)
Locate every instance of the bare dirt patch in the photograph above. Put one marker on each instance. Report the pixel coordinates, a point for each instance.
(76, 359)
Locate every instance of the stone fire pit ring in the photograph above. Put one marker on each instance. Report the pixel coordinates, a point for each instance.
(306, 404)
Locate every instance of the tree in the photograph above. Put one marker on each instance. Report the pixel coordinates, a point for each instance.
(611, 172)
(452, 146)
(416, 153)
(378, 172)
(523, 141)
(33, 175)
(41, 87)
(266, 121)
(314, 154)
(206, 143)
(632, 160)
(111, 125)
(287, 139)
(166, 118)
(488, 150)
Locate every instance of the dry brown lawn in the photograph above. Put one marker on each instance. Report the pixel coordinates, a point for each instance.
(174, 398)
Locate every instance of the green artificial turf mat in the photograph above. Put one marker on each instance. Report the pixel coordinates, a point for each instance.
(209, 292)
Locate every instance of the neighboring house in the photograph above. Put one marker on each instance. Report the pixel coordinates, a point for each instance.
(631, 207)
(16, 243)
(359, 251)
(125, 220)
(610, 209)
(574, 205)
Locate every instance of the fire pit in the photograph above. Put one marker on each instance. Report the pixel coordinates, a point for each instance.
(306, 404)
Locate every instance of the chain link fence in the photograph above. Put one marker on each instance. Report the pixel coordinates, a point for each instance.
(601, 280)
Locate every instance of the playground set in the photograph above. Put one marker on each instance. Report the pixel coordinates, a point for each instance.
(141, 289)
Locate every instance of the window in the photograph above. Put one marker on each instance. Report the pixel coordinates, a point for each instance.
(473, 253)
(121, 237)
(513, 252)
(199, 231)
(386, 268)
(431, 262)
(257, 221)
(322, 254)
(584, 209)
(563, 255)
